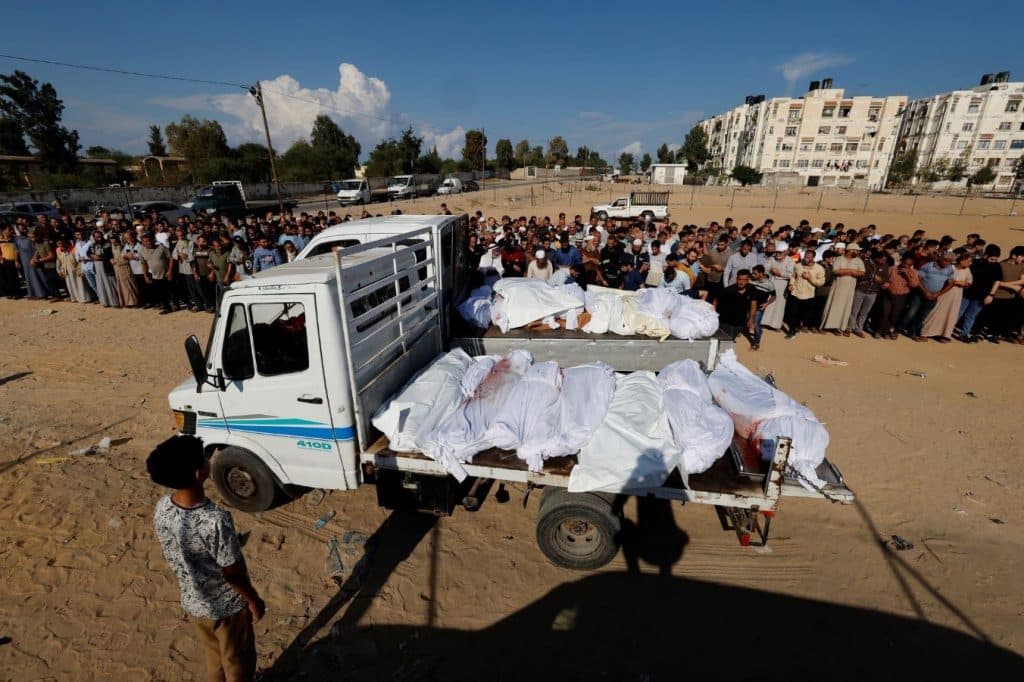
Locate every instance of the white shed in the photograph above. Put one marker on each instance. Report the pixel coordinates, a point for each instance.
(668, 173)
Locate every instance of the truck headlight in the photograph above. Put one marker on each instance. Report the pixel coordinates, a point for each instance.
(185, 422)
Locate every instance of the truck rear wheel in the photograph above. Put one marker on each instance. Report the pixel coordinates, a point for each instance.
(602, 215)
(647, 214)
(578, 530)
(243, 480)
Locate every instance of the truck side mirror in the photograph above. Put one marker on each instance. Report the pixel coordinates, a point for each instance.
(196, 360)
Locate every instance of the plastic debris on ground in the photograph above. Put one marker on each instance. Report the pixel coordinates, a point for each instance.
(762, 413)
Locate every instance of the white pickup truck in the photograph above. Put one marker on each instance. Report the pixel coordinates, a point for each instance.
(301, 356)
(637, 205)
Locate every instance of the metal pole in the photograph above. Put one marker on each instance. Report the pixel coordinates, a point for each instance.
(821, 195)
(962, 203)
(913, 204)
(1013, 204)
(693, 190)
(732, 200)
(867, 197)
(775, 202)
(257, 92)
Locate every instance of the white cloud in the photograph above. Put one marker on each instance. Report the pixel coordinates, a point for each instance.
(360, 105)
(634, 148)
(449, 145)
(808, 64)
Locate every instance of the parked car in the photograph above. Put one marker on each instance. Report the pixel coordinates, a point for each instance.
(32, 207)
(470, 186)
(354, 191)
(167, 210)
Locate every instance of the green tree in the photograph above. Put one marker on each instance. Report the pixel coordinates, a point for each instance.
(430, 162)
(156, 142)
(474, 151)
(535, 157)
(300, 162)
(12, 138)
(626, 162)
(746, 175)
(386, 160)
(504, 154)
(558, 152)
(645, 162)
(695, 148)
(522, 151)
(984, 176)
(664, 154)
(934, 172)
(37, 111)
(957, 170)
(409, 147)
(253, 163)
(198, 141)
(902, 168)
(337, 153)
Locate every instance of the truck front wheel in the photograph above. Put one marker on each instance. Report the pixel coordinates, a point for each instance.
(578, 530)
(243, 480)
(647, 215)
(602, 215)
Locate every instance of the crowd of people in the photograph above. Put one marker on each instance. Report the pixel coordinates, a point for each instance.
(817, 279)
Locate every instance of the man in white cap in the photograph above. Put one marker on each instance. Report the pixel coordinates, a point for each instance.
(780, 269)
(540, 267)
(848, 269)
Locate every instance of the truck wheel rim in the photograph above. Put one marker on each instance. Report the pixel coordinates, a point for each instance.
(240, 482)
(578, 537)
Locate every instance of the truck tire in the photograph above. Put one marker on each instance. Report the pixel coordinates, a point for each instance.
(243, 480)
(578, 530)
(602, 215)
(645, 214)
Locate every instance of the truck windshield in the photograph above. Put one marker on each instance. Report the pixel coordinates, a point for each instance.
(351, 184)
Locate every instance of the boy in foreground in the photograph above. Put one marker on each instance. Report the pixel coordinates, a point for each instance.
(199, 542)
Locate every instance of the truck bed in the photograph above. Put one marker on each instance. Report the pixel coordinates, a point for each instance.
(737, 475)
(569, 348)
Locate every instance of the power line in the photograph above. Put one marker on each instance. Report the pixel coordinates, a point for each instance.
(123, 72)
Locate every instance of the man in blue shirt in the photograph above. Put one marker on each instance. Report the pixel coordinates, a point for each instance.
(936, 278)
(265, 257)
(566, 255)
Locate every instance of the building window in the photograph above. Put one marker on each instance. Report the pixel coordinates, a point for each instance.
(873, 114)
(790, 131)
(844, 112)
(771, 130)
(828, 112)
(836, 148)
(801, 163)
(865, 146)
(783, 163)
(805, 146)
(1010, 162)
(787, 147)
(821, 147)
(1013, 105)
(824, 130)
(992, 163)
(840, 130)
(983, 144)
(876, 163)
(973, 107)
(818, 163)
(999, 144)
(1016, 144)
(775, 163)
(1005, 125)
(851, 147)
(1004, 179)
(794, 114)
(968, 127)
(962, 144)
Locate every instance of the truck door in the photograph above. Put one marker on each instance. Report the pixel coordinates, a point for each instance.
(275, 400)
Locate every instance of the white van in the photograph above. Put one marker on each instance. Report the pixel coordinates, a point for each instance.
(450, 186)
(354, 191)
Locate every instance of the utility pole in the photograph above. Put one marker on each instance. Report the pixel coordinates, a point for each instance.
(483, 154)
(257, 92)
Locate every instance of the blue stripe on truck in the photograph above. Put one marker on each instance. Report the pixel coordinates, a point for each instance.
(291, 428)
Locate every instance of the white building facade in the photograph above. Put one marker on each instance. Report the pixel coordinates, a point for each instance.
(983, 126)
(822, 138)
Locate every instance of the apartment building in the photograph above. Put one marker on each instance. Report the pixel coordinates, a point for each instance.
(980, 126)
(822, 138)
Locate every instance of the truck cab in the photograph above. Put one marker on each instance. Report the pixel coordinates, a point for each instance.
(402, 187)
(450, 186)
(354, 191)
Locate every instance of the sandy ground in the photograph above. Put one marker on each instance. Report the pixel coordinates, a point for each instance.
(86, 593)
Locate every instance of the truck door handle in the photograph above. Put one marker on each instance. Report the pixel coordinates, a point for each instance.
(312, 399)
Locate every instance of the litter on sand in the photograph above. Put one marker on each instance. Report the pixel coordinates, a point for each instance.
(916, 373)
(829, 360)
(101, 446)
(324, 520)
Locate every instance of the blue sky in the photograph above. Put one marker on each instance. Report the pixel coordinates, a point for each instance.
(609, 75)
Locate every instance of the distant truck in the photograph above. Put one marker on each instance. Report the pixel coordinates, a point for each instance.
(412, 186)
(450, 186)
(227, 197)
(636, 205)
